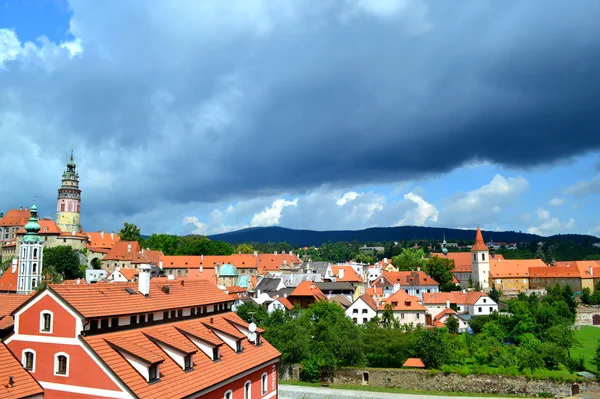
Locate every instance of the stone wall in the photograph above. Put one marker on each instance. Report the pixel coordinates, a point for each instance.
(585, 314)
(438, 381)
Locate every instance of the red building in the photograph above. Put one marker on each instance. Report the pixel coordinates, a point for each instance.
(305, 294)
(150, 339)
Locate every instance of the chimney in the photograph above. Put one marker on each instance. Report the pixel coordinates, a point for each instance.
(78, 281)
(312, 286)
(275, 253)
(285, 261)
(144, 280)
(102, 234)
(14, 266)
(448, 303)
(200, 269)
(418, 268)
(341, 273)
(166, 289)
(385, 260)
(211, 320)
(160, 264)
(255, 254)
(291, 253)
(201, 257)
(591, 271)
(129, 247)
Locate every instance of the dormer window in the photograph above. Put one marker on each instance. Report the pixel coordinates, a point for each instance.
(188, 362)
(407, 303)
(153, 372)
(216, 354)
(239, 346)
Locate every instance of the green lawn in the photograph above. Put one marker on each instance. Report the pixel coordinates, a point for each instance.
(587, 337)
(395, 390)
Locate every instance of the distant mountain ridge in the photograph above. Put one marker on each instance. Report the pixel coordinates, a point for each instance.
(306, 238)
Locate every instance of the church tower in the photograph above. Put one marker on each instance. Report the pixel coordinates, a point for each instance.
(481, 262)
(30, 256)
(69, 199)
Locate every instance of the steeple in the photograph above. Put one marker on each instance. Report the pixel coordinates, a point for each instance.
(444, 249)
(479, 243)
(30, 255)
(69, 199)
(32, 228)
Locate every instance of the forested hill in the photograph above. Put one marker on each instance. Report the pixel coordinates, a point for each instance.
(381, 234)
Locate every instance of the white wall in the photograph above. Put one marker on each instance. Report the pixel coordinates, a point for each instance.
(483, 307)
(359, 310)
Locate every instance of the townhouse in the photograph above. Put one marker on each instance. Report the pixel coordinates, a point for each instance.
(414, 283)
(405, 308)
(363, 310)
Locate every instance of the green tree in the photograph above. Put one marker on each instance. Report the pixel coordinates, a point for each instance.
(494, 294)
(63, 260)
(387, 318)
(452, 325)
(130, 232)
(596, 359)
(365, 258)
(244, 249)
(409, 259)
(432, 347)
(51, 276)
(562, 335)
(165, 243)
(439, 269)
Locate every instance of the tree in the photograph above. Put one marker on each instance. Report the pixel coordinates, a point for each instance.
(244, 249)
(388, 316)
(409, 259)
(365, 258)
(494, 294)
(130, 232)
(439, 269)
(165, 243)
(432, 347)
(452, 324)
(62, 260)
(596, 359)
(562, 335)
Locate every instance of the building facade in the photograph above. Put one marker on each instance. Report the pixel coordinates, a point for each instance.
(31, 253)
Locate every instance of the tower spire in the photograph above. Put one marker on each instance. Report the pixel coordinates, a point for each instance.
(479, 243)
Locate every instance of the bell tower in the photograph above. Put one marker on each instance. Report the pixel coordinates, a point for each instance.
(69, 200)
(31, 252)
(481, 262)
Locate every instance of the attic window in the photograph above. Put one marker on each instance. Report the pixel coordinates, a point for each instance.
(407, 303)
(188, 363)
(239, 346)
(153, 372)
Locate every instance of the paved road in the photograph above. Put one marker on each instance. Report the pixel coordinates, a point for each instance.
(298, 392)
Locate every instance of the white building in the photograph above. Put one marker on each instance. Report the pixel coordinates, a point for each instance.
(362, 310)
(280, 303)
(31, 254)
(406, 309)
(465, 303)
(481, 262)
(414, 283)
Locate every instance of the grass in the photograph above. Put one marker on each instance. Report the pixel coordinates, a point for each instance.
(561, 375)
(396, 390)
(587, 336)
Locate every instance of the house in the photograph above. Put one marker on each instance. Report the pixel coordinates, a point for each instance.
(8, 280)
(305, 294)
(166, 338)
(363, 310)
(512, 274)
(589, 272)
(316, 267)
(269, 285)
(341, 300)
(373, 272)
(280, 303)
(441, 318)
(465, 303)
(337, 288)
(348, 274)
(544, 277)
(127, 254)
(295, 279)
(406, 309)
(414, 362)
(17, 382)
(123, 274)
(414, 283)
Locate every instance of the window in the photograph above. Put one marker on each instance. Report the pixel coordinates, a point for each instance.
(474, 256)
(491, 309)
(228, 395)
(365, 320)
(61, 364)
(165, 315)
(248, 390)
(364, 311)
(46, 321)
(93, 325)
(418, 291)
(401, 315)
(180, 313)
(62, 207)
(28, 359)
(114, 322)
(35, 250)
(133, 319)
(34, 268)
(355, 311)
(263, 384)
(104, 323)
(484, 300)
(239, 346)
(33, 283)
(479, 309)
(216, 353)
(188, 363)
(418, 316)
(153, 372)
(150, 317)
(482, 256)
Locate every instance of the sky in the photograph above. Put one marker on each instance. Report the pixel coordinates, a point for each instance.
(208, 116)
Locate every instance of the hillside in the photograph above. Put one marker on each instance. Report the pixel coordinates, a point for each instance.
(380, 234)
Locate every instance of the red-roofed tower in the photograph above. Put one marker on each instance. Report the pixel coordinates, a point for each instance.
(481, 262)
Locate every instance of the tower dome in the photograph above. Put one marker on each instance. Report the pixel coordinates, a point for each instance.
(444, 249)
(228, 270)
(32, 228)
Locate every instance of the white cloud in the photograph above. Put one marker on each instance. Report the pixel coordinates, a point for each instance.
(425, 212)
(549, 225)
(270, 215)
(557, 201)
(200, 228)
(349, 196)
(474, 207)
(585, 187)
(75, 47)
(10, 46)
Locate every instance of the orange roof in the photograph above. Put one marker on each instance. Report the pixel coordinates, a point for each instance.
(240, 261)
(308, 288)
(23, 384)
(446, 311)
(586, 268)
(116, 300)
(272, 262)
(285, 302)
(374, 291)
(174, 381)
(100, 239)
(97, 249)
(8, 280)
(147, 256)
(554, 272)
(455, 297)
(123, 250)
(8, 303)
(401, 301)
(128, 272)
(15, 217)
(369, 301)
(479, 243)
(511, 268)
(404, 279)
(350, 274)
(414, 362)
(47, 226)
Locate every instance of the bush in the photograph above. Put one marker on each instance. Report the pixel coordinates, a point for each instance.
(311, 370)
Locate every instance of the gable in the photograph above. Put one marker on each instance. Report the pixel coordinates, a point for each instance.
(66, 322)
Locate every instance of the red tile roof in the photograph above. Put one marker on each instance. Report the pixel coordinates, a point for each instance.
(350, 274)
(15, 217)
(128, 272)
(116, 300)
(100, 239)
(8, 303)
(47, 227)
(308, 288)
(24, 385)
(272, 262)
(8, 280)
(174, 381)
(414, 362)
(479, 243)
(405, 279)
(401, 301)
(554, 272)
(586, 268)
(511, 268)
(285, 302)
(455, 297)
(369, 301)
(121, 251)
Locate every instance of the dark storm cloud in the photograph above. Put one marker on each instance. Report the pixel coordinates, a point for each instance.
(206, 103)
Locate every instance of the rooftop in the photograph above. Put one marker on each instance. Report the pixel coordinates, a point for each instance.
(23, 384)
